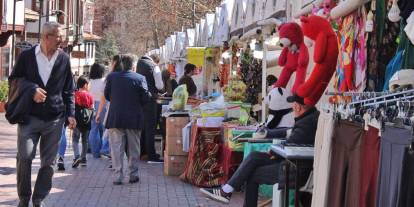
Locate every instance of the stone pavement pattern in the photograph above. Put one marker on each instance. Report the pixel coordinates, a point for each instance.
(92, 185)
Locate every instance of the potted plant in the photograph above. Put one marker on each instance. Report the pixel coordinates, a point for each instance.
(4, 91)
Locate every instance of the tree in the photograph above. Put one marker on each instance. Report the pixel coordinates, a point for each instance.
(106, 49)
(141, 25)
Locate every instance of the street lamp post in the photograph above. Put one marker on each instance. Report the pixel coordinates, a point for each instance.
(40, 18)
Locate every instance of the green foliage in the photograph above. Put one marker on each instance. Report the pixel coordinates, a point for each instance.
(4, 91)
(106, 48)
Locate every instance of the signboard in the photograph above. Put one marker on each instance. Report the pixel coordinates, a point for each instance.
(195, 55)
(79, 54)
(24, 45)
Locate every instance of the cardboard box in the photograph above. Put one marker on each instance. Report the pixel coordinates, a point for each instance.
(174, 146)
(175, 125)
(174, 165)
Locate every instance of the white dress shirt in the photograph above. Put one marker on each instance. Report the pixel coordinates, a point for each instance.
(45, 65)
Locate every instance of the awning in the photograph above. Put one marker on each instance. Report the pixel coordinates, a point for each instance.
(30, 15)
(91, 37)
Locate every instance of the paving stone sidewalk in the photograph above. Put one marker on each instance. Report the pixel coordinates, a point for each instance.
(92, 185)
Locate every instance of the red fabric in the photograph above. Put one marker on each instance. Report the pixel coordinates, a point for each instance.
(84, 99)
(325, 57)
(203, 168)
(369, 167)
(224, 74)
(293, 61)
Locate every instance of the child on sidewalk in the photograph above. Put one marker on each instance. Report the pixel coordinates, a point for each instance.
(83, 115)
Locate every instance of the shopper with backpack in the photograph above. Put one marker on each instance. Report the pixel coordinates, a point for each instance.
(83, 116)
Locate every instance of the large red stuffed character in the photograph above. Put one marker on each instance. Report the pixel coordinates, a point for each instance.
(325, 57)
(294, 56)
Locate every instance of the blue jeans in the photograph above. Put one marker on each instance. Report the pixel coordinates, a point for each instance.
(95, 135)
(105, 149)
(62, 143)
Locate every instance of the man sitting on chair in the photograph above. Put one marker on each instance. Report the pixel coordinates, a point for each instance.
(262, 168)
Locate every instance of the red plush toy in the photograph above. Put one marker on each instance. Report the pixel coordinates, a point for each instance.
(326, 54)
(294, 56)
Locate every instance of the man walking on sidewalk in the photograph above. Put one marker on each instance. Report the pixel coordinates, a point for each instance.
(48, 70)
(128, 92)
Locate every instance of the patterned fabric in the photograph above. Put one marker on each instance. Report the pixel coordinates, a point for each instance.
(202, 167)
(251, 71)
(352, 57)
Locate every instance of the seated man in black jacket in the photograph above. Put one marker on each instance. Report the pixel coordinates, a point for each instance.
(262, 168)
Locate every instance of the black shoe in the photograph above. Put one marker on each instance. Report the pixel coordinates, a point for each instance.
(217, 194)
(155, 161)
(117, 182)
(60, 164)
(76, 162)
(83, 162)
(133, 179)
(110, 166)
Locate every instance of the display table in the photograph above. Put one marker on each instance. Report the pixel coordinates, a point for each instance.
(297, 157)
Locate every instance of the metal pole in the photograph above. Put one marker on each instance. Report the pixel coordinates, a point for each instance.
(13, 33)
(264, 84)
(40, 19)
(193, 17)
(47, 10)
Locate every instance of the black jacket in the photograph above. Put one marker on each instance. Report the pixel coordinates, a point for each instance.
(145, 67)
(60, 86)
(19, 104)
(304, 129)
(127, 91)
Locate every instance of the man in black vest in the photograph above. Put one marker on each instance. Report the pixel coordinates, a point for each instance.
(147, 66)
(48, 69)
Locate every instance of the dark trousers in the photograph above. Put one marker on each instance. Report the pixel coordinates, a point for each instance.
(343, 189)
(258, 168)
(28, 136)
(83, 134)
(406, 198)
(393, 144)
(148, 134)
(369, 167)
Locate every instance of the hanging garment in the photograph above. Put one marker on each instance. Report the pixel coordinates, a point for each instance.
(321, 163)
(202, 168)
(372, 54)
(387, 33)
(344, 175)
(392, 67)
(409, 28)
(406, 7)
(393, 144)
(352, 57)
(369, 167)
(406, 198)
(250, 70)
(408, 47)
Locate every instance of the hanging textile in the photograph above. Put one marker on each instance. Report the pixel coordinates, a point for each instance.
(406, 198)
(372, 54)
(351, 68)
(392, 67)
(202, 168)
(322, 162)
(408, 47)
(251, 73)
(369, 167)
(344, 175)
(393, 144)
(386, 39)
